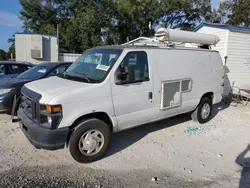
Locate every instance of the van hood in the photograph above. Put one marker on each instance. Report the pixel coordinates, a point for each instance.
(52, 87)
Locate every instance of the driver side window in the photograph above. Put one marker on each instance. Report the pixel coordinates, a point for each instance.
(135, 66)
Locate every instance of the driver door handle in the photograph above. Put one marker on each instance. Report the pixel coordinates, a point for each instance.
(150, 95)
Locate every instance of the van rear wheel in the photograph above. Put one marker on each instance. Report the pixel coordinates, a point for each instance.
(89, 141)
(204, 111)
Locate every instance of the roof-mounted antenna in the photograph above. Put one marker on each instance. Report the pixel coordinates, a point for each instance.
(172, 35)
(169, 37)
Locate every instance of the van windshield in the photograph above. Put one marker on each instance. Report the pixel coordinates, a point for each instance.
(93, 66)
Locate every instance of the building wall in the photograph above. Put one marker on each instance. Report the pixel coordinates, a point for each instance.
(25, 42)
(68, 57)
(54, 49)
(236, 46)
(21, 54)
(238, 57)
(222, 34)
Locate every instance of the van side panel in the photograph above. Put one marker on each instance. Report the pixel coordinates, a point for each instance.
(204, 68)
(83, 105)
(219, 74)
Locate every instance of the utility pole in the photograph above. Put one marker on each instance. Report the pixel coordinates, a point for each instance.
(57, 34)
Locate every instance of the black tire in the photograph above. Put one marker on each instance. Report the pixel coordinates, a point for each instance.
(82, 128)
(197, 114)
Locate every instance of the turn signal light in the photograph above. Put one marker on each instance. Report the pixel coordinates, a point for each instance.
(53, 109)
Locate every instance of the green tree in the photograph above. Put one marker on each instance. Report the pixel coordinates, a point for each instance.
(38, 16)
(240, 12)
(235, 12)
(184, 14)
(3, 55)
(224, 11)
(12, 47)
(132, 18)
(87, 23)
(216, 17)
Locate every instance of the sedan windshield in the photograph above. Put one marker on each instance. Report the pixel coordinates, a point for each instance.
(94, 65)
(36, 72)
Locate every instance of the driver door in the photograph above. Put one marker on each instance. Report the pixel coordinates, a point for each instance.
(133, 100)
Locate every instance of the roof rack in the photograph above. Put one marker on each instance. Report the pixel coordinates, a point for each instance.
(167, 37)
(144, 41)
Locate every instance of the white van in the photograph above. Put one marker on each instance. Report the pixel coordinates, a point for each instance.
(113, 88)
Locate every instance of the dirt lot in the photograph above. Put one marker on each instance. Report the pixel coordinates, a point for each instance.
(208, 156)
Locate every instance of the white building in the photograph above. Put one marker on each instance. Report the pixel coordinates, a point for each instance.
(68, 57)
(235, 44)
(36, 48)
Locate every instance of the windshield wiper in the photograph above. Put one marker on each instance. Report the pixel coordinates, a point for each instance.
(82, 74)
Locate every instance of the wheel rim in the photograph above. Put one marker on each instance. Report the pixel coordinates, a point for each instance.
(91, 142)
(205, 111)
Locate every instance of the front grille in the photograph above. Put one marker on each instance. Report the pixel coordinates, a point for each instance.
(30, 103)
(29, 107)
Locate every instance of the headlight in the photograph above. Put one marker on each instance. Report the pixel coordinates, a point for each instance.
(4, 91)
(49, 120)
(50, 116)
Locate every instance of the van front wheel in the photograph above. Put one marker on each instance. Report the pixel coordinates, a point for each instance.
(204, 111)
(89, 141)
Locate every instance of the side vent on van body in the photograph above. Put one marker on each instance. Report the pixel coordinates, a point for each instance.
(171, 92)
(186, 85)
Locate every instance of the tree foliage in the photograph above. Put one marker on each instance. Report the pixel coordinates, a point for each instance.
(38, 16)
(12, 47)
(234, 12)
(87, 23)
(240, 12)
(184, 14)
(3, 55)
(215, 17)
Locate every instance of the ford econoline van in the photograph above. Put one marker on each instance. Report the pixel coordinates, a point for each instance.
(113, 88)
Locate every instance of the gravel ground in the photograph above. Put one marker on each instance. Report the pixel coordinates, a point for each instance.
(161, 154)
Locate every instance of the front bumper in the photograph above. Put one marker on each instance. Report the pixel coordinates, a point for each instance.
(42, 138)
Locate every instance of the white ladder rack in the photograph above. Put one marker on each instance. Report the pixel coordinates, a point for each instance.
(145, 41)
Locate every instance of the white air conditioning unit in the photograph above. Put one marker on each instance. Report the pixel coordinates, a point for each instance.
(36, 46)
